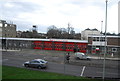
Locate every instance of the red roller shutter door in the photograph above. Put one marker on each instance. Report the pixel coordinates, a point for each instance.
(47, 45)
(69, 46)
(82, 47)
(38, 44)
(58, 46)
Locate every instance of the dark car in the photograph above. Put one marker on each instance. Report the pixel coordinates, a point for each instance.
(36, 63)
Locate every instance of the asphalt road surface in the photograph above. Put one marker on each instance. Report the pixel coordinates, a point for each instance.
(56, 64)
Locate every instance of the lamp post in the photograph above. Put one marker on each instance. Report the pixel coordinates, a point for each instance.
(101, 26)
(5, 37)
(1, 25)
(105, 42)
(101, 39)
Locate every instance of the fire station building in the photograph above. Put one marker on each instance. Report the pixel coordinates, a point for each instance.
(98, 42)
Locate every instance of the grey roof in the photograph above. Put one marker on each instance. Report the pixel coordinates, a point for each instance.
(87, 29)
(108, 36)
(94, 29)
(59, 40)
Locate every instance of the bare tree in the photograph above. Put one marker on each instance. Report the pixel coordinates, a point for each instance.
(54, 32)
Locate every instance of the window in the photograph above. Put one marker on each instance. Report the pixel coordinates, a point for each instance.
(1, 24)
(97, 39)
(94, 39)
(114, 49)
(103, 39)
(5, 25)
(34, 62)
(42, 61)
(37, 62)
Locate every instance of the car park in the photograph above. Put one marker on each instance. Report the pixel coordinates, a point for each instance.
(36, 63)
(80, 55)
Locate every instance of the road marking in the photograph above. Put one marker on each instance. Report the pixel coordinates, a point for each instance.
(82, 71)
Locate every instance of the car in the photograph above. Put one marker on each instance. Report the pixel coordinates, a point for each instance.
(80, 55)
(36, 63)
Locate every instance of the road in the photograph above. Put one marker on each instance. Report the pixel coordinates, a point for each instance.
(74, 68)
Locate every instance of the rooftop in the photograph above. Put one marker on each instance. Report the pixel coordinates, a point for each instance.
(92, 29)
(39, 39)
(103, 36)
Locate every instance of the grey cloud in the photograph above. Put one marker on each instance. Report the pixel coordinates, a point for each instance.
(10, 14)
(26, 6)
(100, 3)
(25, 25)
(17, 8)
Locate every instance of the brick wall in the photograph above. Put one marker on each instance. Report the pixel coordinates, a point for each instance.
(113, 41)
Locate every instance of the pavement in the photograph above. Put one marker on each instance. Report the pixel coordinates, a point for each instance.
(92, 56)
(107, 58)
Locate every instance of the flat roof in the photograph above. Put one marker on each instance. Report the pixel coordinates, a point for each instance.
(38, 39)
(108, 36)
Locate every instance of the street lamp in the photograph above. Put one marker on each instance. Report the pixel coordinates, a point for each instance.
(101, 39)
(101, 26)
(5, 36)
(105, 42)
(1, 31)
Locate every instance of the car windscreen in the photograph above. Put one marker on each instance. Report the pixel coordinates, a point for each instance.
(42, 61)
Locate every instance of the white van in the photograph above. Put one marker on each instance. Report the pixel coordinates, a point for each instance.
(80, 55)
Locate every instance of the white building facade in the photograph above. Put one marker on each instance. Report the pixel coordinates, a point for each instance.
(7, 30)
(87, 32)
(98, 41)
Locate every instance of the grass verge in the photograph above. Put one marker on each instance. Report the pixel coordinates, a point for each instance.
(23, 73)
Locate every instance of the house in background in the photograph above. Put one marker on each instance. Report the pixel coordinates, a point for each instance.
(86, 32)
(7, 30)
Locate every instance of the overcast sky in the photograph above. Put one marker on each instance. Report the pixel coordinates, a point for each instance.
(81, 14)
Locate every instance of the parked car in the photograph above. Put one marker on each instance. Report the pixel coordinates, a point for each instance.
(36, 63)
(80, 55)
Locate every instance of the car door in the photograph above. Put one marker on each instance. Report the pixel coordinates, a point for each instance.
(34, 63)
(31, 64)
(83, 57)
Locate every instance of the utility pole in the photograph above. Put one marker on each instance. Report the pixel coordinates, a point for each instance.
(105, 42)
(5, 27)
(101, 39)
(101, 26)
(68, 30)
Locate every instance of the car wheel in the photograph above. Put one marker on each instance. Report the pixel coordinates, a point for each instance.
(26, 65)
(78, 58)
(39, 67)
(88, 59)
